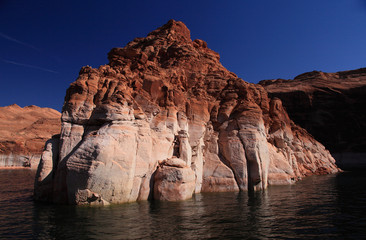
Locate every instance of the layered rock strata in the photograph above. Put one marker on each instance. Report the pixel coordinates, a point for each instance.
(23, 132)
(164, 119)
(330, 106)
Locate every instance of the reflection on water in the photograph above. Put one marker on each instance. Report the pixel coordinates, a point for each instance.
(318, 207)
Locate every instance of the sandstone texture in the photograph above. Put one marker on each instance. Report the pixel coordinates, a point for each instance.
(174, 180)
(330, 106)
(23, 133)
(164, 119)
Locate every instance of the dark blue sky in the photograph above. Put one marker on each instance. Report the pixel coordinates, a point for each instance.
(43, 44)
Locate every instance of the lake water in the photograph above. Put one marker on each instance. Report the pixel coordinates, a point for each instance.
(319, 207)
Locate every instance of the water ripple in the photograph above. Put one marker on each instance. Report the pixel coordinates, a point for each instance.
(320, 207)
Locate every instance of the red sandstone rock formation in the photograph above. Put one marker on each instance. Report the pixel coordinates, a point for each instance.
(23, 132)
(331, 106)
(165, 119)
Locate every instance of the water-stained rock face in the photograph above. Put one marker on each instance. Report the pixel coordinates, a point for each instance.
(23, 132)
(165, 119)
(331, 107)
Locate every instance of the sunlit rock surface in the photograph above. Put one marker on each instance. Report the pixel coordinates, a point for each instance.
(23, 132)
(164, 119)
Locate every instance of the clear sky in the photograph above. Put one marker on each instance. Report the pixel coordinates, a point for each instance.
(43, 44)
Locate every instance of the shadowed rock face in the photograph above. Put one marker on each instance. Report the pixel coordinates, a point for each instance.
(331, 106)
(165, 119)
(23, 132)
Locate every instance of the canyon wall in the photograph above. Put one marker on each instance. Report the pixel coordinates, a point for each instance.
(23, 132)
(164, 120)
(330, 106)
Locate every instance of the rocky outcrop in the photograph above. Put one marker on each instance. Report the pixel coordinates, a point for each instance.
(23, 132)
(330, 106)
(174, 180)
(164, 119)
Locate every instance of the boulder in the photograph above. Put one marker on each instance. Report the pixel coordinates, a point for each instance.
(174, 183)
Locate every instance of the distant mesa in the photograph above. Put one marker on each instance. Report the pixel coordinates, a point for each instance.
(23, 132)
(330, 106)
(165, 120)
